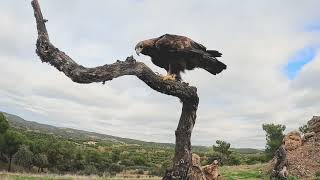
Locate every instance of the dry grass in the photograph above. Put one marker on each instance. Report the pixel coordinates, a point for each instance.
(247, 172)
(25, 176)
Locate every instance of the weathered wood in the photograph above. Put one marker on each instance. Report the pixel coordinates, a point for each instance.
(80, 74)
(280, 168)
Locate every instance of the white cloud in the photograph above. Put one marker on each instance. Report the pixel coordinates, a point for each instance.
(256, 38)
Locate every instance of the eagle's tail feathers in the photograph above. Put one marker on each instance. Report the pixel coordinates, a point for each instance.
(212, 65)
(214, 53)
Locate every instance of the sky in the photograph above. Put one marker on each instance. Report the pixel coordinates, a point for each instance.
(271, 49)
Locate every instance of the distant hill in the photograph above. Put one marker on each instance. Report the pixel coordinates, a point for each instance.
(83, 136)
(246, 150)
(74, 134)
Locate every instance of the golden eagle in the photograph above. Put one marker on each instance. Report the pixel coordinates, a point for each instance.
(177, 53)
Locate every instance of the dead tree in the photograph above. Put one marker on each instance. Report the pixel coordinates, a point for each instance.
(187, 94)
(280, 168)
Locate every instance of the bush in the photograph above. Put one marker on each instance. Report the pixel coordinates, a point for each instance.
(160, 171)
(139, 160)
(23, 157)
(304, 129)
(140, 171)
(41, 161)
(115, 168)
(233, 160)
(255, 158)
(127, 162)
(90, 170)
(292, 178)
(217, 156)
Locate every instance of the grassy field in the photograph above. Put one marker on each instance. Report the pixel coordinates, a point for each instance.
(18, 176)
(248, 172)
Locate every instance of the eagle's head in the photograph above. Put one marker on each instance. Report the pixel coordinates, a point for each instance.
(145, 47)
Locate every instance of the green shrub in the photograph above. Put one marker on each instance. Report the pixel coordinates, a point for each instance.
(40, 161)
(255, 159)
(127, 162)
(156, 171)
(90, 170)
(140, 171)
(217, 156)
(293, 178)
(233, 159)
(115, 168)
(139, 160)
(23, 157)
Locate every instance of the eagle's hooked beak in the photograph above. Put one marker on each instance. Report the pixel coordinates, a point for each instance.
(138, 50)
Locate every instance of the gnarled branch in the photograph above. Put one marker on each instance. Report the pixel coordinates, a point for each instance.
(80, 74)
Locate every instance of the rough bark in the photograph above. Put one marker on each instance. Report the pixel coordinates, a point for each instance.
(80, 74)
(10, 163)
(280, 168)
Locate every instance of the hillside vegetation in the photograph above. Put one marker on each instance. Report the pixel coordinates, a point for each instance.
(84, 136)
(51, 149)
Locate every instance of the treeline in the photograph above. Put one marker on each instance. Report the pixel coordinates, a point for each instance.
(41, 152)
(221, 151)
(38, 152)
(274, 136)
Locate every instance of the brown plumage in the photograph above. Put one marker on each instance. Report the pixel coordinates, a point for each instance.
(177, 53)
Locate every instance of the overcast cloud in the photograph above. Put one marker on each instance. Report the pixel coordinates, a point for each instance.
(258, 39)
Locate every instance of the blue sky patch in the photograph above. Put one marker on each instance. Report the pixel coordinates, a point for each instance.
(313, 27)
(298, 60)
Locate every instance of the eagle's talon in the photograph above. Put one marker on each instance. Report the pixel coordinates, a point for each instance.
(169, 77)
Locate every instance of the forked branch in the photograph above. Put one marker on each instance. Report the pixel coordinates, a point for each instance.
(80, 74)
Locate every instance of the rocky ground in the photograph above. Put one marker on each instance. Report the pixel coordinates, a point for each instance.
(303, 151)
(304, 161)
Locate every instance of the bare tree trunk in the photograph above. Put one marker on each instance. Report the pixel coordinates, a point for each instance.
(280, 168)
(77, 73)
(10, 162)
(183, 155)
